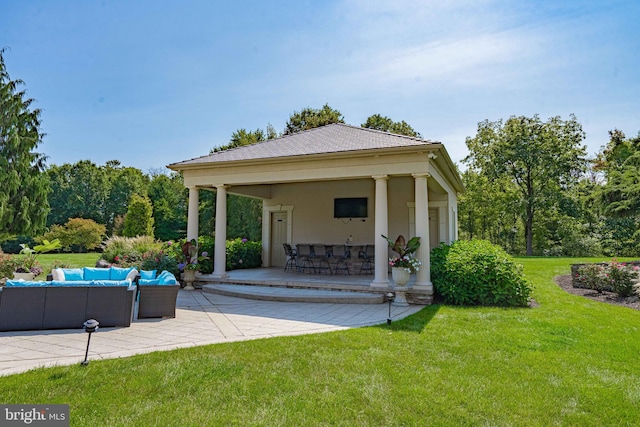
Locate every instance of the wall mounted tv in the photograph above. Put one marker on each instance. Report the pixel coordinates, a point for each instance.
(351, 207)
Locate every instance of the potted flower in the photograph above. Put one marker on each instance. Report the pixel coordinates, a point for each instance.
(404, 264)
(190, 262)
(28, 266)
(8, 265)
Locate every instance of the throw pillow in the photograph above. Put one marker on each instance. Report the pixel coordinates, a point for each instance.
(147, 274)
(73, 273)
(96, 273)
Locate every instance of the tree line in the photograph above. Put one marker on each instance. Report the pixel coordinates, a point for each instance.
(532, 188)
(530, 185)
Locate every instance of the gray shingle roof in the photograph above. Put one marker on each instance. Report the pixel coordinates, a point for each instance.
(333, 138)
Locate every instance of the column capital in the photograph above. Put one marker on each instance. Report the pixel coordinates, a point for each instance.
(378, 177)
(221, 186)
(421, 175)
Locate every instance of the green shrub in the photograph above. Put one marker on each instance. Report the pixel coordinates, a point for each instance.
(591, 276)
(206, 246)
(476, 272)
(78, 234)
(8, 264)
(242, 253)
(12, 246)
(128, 251)
(613, 276)
(205, 253)
(622, 278)
(159, 260)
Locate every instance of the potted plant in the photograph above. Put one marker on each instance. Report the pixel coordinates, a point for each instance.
(404, 264)
(190, 262)
(8, 265)
(28, 266)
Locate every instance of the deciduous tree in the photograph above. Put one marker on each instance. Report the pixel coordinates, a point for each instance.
(123, 183)
(242, 137)
(385, 124)
(79, 190)
(309, 118)
(169, 199)
(541, 159)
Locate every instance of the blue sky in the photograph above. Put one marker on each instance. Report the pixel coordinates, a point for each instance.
(154, 82)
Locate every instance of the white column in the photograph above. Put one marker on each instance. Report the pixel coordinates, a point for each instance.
(381, 278)
(193, 214)
(423, 276)
(220, 250)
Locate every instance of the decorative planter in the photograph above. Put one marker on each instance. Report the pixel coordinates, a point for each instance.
(24, 276)
(400, 276)
(189, 276)
(401, 296)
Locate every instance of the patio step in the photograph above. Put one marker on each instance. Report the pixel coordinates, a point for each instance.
(276, 293)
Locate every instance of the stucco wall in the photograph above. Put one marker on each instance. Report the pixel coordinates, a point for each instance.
(313, 221)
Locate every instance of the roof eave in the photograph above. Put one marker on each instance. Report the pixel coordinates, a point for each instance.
(188, 165)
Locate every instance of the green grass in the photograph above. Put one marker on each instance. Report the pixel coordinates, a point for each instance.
(72, 260)
(569, 361)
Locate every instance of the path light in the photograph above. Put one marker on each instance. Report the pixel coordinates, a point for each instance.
(390, 298)
(90, 326)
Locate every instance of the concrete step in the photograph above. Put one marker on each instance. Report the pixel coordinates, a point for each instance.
(276, 293)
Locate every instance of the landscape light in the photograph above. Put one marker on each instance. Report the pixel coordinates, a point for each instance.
(390, 298)
(90, 326)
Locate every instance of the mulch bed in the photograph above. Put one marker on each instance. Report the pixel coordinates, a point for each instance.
(607, 297)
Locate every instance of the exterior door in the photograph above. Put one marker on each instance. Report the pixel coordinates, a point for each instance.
(278, 237)
(434, 231)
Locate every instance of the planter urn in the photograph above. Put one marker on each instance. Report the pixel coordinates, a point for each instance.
(400, 277)
(189, 276)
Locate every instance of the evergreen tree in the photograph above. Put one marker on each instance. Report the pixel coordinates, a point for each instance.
(23, 199)
(139, 219)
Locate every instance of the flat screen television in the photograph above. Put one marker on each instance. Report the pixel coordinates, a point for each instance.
(350, 207)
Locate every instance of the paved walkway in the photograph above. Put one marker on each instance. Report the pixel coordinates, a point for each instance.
(201, 318)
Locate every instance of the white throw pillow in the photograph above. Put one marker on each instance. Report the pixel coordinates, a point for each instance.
(57, 274)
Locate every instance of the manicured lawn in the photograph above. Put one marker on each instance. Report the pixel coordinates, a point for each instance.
(72, 260)
(568, 361)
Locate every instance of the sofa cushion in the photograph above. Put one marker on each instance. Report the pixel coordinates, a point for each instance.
(96, 273)
(166, 278)
(24, 283)
(69, 283)
(147, 274)
(73, 273)
(110, 283)
(118, 273)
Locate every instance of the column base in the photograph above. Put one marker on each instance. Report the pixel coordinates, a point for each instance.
(424, 287)
(215, 275)
(381, 284)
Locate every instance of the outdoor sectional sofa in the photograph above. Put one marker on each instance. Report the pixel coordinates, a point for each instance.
(158, 295)
(71, 298)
